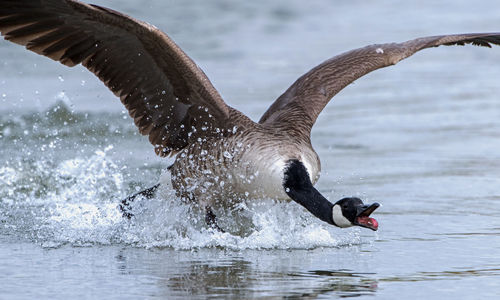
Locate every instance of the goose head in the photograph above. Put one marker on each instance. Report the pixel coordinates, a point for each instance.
(344, 213)
(352, 211)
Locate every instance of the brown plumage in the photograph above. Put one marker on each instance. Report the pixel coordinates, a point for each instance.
(165, 92)
(173, 102)
(312, 91)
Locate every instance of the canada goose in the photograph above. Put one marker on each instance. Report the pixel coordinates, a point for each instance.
(221, 153)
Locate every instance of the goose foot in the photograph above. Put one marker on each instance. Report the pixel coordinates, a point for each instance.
(211, 219)
(126, 204)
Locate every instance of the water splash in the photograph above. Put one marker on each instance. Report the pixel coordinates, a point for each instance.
(75, 202)
(57, 189)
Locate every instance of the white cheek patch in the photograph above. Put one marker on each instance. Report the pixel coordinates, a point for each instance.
(338, 217)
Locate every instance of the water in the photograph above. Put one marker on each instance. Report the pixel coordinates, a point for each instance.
(421, 138)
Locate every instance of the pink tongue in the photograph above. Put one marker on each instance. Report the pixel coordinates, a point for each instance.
(370, 222)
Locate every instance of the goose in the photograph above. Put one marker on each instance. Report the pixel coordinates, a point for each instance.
(220, 154)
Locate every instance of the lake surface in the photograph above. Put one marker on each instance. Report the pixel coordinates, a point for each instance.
(421, 138)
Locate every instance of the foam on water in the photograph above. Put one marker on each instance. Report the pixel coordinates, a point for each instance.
(76, 202)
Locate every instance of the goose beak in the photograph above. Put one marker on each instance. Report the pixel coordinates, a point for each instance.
(363, 216)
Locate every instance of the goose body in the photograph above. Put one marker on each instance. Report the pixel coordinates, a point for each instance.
(221, 154)
(248, 164)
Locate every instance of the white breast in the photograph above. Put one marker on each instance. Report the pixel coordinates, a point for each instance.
(267, 175)
(265, 179)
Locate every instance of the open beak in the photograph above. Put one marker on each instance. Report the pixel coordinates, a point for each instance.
(363, 216)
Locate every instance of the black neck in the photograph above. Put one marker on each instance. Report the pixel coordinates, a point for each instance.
(299, 187)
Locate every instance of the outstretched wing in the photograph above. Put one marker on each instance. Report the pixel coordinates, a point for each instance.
(170, 99)
(307, 97)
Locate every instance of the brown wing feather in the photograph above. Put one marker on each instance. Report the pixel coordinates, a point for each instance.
(167, 95)
(298, 108)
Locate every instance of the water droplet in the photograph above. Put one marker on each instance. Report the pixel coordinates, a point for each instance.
(227, 155)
